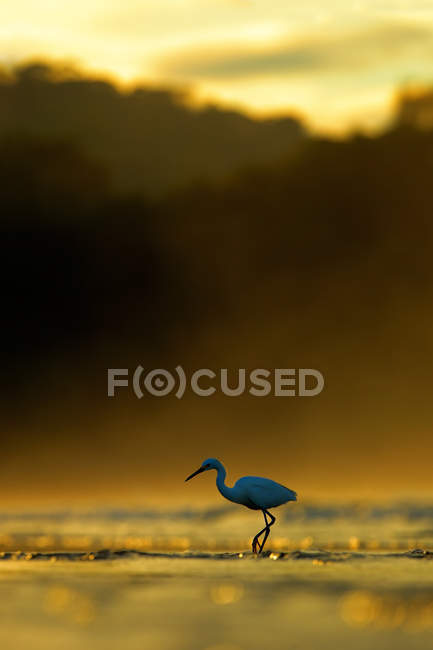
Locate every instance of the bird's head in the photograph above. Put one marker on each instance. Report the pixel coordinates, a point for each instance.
(209, 463)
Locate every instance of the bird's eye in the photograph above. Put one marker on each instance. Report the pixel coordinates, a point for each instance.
(207, 465)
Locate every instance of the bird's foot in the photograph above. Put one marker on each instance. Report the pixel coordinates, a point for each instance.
(256, 546)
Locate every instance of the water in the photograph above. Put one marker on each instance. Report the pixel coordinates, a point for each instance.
(350, 576)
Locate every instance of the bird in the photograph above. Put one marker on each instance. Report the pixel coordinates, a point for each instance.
(254, 492)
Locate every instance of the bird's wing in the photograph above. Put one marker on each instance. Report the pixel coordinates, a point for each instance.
(266, 493)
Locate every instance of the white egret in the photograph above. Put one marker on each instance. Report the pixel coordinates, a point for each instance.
(254, 492)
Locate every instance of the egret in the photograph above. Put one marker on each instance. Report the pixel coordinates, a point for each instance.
(254, 492)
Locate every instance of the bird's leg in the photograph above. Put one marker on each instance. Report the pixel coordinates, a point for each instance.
(267, 529)
(264, 530)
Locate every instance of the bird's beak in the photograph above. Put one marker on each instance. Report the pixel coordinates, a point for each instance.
(199, 471)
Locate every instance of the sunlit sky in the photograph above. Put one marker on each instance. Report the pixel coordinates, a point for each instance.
(337, 62)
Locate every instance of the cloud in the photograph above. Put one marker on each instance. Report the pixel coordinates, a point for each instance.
(377, 45)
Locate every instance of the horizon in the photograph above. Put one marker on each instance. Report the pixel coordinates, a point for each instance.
(336, 65)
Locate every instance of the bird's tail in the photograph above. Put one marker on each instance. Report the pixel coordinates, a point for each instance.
(292, 495)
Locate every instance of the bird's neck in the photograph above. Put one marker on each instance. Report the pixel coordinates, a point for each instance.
(222, 487)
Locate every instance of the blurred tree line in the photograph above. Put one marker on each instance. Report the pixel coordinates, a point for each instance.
(148, 137)
(299, 244)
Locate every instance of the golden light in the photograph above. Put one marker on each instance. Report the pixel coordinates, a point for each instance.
(264, 57)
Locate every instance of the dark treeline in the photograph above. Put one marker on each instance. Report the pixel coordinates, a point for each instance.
(346, 220)
(321, 257)
(149, 138)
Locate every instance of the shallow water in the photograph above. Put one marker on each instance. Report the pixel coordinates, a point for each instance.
(350, 577)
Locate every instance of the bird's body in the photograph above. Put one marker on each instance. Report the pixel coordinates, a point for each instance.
(258, 493)
(254, 492)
